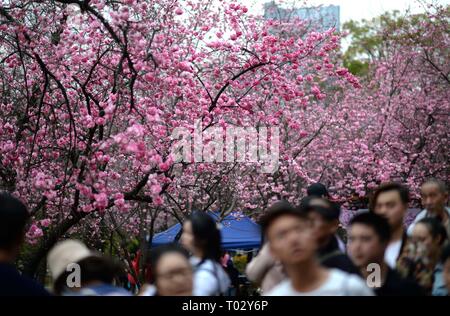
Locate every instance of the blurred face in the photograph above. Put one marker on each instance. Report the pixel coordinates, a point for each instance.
(446, 274)
(364, 246)
(323, 228)
(291, 240)
(173, 275)
(390, 205)
(421, 234)
(187, 237)
(433, 199)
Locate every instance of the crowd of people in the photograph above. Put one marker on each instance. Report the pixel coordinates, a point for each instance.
(301, 255)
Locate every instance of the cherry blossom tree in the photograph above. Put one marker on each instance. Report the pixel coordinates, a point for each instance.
(92, 90)
(397, 124)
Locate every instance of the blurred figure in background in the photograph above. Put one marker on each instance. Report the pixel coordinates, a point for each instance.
(368, 237)
(13, 220)
(96, 272)
(148, 288)
(434, 196)
(201, 237)
(421, 260)
(173, 275)
(445, 261)
(320, 191)
(324, 216)
(265, 271)
(390, 200)
(233, 273)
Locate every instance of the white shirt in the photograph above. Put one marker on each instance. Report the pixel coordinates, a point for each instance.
(341, 245)
(339, 283)
(149, 290)
(424, 213)
(392, 252)
(209, 278)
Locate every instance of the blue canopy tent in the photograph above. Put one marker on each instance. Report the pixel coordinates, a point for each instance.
(238, 232)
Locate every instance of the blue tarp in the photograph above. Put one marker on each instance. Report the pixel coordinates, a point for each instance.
(238, 232)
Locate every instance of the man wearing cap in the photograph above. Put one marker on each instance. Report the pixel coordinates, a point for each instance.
(13, 219)
(96, 272)
(324, 215)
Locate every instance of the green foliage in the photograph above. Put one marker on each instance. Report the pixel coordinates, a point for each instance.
(240, 262)
(370, 40)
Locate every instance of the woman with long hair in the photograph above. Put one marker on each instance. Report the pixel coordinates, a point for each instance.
(202, 239)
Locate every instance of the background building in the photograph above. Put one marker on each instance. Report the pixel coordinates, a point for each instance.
(321, 17)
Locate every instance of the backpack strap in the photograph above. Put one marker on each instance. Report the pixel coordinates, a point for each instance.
(214, 273)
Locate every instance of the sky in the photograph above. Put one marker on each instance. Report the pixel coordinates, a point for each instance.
(351, 9)
(354, 9)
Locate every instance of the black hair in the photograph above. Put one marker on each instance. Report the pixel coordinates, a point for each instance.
(305, 202)
(390, 186)
(378, 223)
(206, 235)
(93, 268)
(329, 213)
(158, 252)
(277, 210)
(13, 219)
(317, 190)
(445, 254)
(435, 227)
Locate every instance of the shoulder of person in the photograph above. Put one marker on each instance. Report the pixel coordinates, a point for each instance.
(194, 261)
(353, 284)
(206, 265)
(148, 290)
(282, 289)
(406, 285)
(106, 290)
(32, 287)
(448, 210)
(357, 286)
(423, 213)
(210, 268)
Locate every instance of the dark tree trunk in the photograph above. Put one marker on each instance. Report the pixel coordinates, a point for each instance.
(32, 262)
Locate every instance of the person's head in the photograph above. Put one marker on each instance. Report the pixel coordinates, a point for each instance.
(434, 195)
(172, 271)
(391, 201)
(445, 259)
(317, 190)
(13, 220)
(430, 232)
(324, 216)
(201, 236)
(289, 234)
(368, 237)
(70, 256)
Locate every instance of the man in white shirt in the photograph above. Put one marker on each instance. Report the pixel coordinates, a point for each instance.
(390, 200)
(292, 241)
(434, 197)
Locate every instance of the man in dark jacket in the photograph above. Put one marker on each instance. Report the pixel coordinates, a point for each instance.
(13, 219)
(324, 215)
(369, 235)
